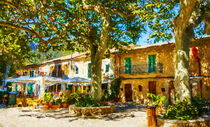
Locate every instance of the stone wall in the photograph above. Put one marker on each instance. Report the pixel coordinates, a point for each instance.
(140, 96)
(164, 55)
(202, 122)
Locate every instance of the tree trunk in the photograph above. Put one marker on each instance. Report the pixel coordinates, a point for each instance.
(4, 83)
(183, 31)
(96, 63)
(182, 84)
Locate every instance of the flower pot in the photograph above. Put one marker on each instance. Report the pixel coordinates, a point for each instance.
(46, 106)
(151, 116)
(50, 104)
(55, 106)
(112, 101)
(104, 102)
(64, 105)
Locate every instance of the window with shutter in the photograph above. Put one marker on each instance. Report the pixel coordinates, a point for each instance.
(76, 69)
(31, 73)
(151, 63)
(89, 70)
(128, 65)
(16, 88)
(107, 68)
(24, 87)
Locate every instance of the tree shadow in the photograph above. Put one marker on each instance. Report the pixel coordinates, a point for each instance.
(122, 110)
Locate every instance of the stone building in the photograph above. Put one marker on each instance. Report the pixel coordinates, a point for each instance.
(66, 67)
(150, 69)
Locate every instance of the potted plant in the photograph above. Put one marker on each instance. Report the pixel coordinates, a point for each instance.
(156, 101)
(56, 103)
(47, 99)
(66, 99)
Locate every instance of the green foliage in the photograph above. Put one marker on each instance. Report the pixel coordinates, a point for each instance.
(56, 101)
(67, 97)
(156, 100)
(182, 111)
(199, 102)
(47, 97)
(115, 88)
(3, 95)
(85, 100)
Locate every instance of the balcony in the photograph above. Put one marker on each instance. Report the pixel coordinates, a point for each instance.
(139, 69)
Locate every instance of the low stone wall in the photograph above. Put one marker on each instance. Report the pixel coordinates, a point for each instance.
(201, 122)
(90, 111)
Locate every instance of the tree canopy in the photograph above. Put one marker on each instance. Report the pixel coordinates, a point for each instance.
(94, 25)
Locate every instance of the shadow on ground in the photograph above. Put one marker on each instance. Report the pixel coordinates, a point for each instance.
(122, 110)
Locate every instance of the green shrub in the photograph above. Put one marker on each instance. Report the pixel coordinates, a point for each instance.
(3, 95)
(182, 110)
(199, 102)
(85, 100)
(56, 101)
(67, 97)
(156, 100)
(115, 89)
(47, 97)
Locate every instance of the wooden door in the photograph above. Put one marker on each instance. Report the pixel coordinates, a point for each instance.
(128, 92)
(171, 92)
(152, 87)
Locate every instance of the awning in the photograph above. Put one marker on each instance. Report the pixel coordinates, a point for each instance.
(78, 80)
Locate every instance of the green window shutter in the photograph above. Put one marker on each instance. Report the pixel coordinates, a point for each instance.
(76, 70)
(39, 88)
(24, 87)
(107, 68)
(16, 88)
(89, 70)
(30, 89)
(151, 63)
(128, 65)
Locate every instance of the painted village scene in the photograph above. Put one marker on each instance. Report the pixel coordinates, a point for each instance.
(104, 63)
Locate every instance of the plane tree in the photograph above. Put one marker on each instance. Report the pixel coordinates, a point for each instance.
(14, 52)
(82, 25)
(101, 25)
(188, 19)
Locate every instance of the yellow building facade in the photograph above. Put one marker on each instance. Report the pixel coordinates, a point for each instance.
(150, 69)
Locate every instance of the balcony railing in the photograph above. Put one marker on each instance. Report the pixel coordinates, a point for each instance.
(138, 69)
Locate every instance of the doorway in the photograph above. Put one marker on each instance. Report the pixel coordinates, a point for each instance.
(152, 87)
(171, 92)
(128, 92)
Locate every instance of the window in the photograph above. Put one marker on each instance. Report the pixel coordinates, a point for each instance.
(16, 88)
(39, 88)
(140, 88)
(84, 87)
(89, 70)
(24, 73)
(107, 68)
(151, 63)
(128, 65)
(24, 87)
(31, 73)
(76, 69)
(70, 87)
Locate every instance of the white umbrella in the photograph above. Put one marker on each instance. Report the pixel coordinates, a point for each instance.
(21, 79)
(78, 80)
(48, 79)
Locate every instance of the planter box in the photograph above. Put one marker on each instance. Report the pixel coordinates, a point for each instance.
(91, 111)
(201, 122)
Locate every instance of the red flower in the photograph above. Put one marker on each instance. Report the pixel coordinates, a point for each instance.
(195, 53)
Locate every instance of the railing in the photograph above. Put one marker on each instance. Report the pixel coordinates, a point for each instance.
(138, 69)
